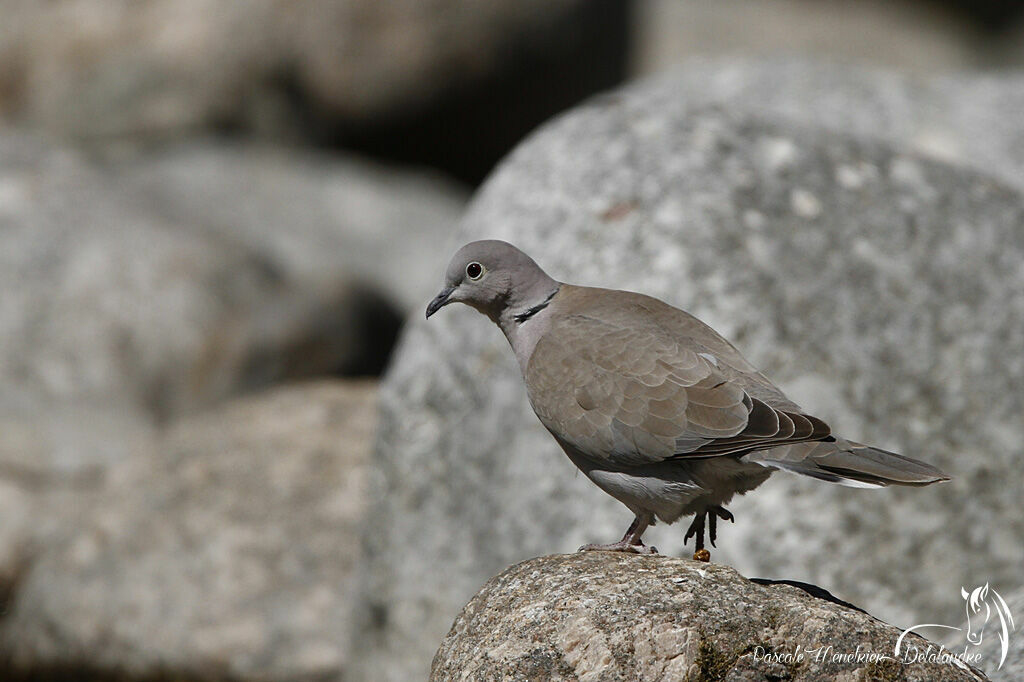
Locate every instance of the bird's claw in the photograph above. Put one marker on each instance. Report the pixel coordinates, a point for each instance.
(707, 519)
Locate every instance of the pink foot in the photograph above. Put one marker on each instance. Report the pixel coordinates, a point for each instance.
(620, 546)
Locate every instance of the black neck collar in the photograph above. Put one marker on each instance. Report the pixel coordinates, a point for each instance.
(530, 312)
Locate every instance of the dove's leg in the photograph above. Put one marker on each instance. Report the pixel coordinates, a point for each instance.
(631, 541)
(696, 530)
(706, 520)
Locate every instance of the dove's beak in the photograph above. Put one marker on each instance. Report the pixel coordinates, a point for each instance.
(440, 301)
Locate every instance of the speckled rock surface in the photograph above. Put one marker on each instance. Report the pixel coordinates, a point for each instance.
(142, 288)
(158, 281)
(226, 554)
(104, 322)
(603, 616)
(54, 455)
(882, 290)
(104, 300)
(962, 118)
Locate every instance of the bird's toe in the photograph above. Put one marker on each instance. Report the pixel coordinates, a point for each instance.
(724, 514)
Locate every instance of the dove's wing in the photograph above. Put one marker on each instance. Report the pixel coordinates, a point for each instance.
(625, 388)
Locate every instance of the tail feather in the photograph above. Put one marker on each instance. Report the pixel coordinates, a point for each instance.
(849, 463)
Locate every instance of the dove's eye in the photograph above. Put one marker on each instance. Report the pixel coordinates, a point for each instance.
(474, 270)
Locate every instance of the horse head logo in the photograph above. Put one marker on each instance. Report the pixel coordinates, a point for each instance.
(979, 604)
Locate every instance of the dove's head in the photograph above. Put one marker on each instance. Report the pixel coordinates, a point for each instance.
(494, 277)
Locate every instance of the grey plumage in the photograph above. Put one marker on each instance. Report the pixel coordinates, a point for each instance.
(649, 402)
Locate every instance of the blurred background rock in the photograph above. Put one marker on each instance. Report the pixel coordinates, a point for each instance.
(215, 218)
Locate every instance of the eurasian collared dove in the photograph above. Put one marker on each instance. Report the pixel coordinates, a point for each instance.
(655, 407)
